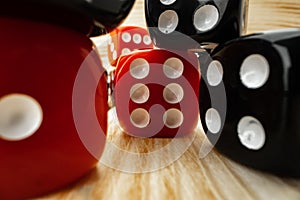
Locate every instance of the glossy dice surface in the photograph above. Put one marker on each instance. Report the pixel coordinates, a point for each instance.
(156, 93)
(260, 75)
(206, 21)
(125, 39)
(89, 17)
(40, 148)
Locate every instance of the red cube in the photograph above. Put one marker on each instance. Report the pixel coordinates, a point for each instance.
(156, 93)
(46, 127)
(125, 39)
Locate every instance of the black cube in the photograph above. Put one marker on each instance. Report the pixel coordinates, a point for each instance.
(206, 21)
(261, 127)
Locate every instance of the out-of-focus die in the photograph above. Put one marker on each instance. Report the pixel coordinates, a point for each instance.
(260, 75)
(126, 39)
(156, 93)
(42, 146)
(205, 21)
(91, 17)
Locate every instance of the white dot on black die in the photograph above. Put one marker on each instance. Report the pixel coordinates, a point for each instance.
(251, 133)
(213, 121)
(206, 18)
(255, 71)
(168, 21)
(167, 2)
(214, 73)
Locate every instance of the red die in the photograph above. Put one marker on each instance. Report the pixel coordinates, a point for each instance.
(125, 39)
(41, 148)
(156, 93)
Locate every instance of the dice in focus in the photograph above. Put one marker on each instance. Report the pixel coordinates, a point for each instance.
(156, 93)
(260, 75)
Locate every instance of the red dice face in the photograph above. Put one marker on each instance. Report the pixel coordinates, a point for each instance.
(40, 148)
(156, 93)
(125, 39)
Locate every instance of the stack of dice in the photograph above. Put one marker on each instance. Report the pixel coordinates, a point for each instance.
(247, 96)
(52, 82)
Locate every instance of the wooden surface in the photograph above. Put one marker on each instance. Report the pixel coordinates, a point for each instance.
(189, 177)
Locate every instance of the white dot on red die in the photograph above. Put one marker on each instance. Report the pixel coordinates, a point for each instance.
(173, 93)
(139, 93)
(137, 38)
(173, 118)
(20, 116)
(125, 51)
(126, 37)
(140, 118)
(147, 40)
(139, 68)
(109, 39)
(173, 68)
(112, 47)
(115, 55)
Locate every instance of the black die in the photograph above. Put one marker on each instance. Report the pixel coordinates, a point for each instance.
(260, 76)
(214, 21)
(91, 17)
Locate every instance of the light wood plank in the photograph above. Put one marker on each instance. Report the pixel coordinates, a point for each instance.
(273, 14)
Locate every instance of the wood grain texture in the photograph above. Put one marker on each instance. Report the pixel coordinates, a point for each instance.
(214, 177)
(189, 177)
(273, 14)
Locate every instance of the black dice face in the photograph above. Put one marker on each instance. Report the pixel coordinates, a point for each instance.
(260, 76)
(91, 17)
(213, 21)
